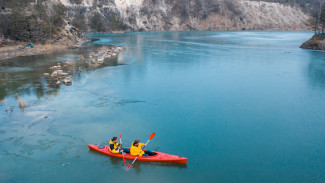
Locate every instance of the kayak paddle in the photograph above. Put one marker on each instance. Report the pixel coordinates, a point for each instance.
(123, 158)
(129, 166)
(122, 152)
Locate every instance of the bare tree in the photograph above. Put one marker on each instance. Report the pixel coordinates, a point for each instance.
(317, 15)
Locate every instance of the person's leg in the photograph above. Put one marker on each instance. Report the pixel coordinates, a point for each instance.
(125, 150)
(150, 153)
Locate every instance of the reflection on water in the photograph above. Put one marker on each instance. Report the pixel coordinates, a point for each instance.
(24, 75)
(316, 69)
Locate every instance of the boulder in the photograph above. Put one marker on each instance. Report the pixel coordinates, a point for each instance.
(53, 68)
(54, 74)
(67, 80)
(59, 72)
(93, 61)
(68, 63)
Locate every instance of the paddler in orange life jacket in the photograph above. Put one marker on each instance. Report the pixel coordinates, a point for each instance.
(114, 147)
(136, 149)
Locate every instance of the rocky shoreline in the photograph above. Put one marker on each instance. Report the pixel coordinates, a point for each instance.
(317, 42)
(63, 72)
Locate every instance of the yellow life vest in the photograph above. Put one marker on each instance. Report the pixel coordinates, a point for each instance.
(115, 146)
(134, 151)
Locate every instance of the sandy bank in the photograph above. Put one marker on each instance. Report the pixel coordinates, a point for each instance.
(23, 50)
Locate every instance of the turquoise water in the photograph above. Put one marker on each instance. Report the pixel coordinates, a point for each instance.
(243, 106)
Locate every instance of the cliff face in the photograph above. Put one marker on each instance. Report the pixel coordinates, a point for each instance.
(154, 15)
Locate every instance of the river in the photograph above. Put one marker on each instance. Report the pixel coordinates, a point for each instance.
(243, 106)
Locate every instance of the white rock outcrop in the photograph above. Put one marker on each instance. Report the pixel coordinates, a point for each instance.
(135, 15)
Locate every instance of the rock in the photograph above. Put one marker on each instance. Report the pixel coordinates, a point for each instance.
(46, 74)
(54, 74)
(59, 72)
(100, 59)
(58, 82)
(53, 68)
(317, 42)
(67, 80)
(68, 64)
(93, 61)
(114, 55)
(45, 116)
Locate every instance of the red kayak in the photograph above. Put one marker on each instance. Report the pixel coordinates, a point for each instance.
(160, 157)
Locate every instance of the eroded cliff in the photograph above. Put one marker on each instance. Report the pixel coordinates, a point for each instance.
(154, 15)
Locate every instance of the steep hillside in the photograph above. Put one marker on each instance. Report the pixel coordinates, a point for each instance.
(152, 15)
(46, 20)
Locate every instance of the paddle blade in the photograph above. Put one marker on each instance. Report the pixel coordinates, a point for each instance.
(128, 167)
(124, 159)
(120, 135)
(152, 135)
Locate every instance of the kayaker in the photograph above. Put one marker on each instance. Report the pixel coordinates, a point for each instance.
(114, 147)
(136, 149)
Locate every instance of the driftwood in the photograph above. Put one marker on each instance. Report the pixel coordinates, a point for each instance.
(22, 104)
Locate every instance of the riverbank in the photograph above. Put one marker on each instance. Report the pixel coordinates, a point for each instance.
(11, 49)
(23, 50)
(317, 42)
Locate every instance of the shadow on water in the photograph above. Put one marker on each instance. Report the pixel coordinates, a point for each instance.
(316, 69)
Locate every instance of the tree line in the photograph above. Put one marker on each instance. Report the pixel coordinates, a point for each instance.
(31, 23)
(38, 20)
(319, 17)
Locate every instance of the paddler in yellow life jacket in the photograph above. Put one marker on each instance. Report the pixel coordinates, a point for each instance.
(136, 149)
(114, 147)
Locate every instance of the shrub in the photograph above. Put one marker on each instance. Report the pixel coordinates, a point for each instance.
(75, 1)
(96, 23)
